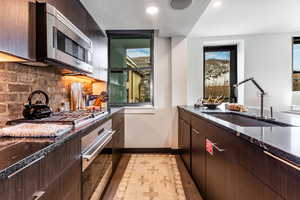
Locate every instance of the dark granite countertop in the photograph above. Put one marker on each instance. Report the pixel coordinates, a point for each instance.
(17, 153)
(284, 142)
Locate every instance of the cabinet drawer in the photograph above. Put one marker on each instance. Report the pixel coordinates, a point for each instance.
(55, 162)
(67, 186)
(184, 115)
(267, 169)
(23, 183)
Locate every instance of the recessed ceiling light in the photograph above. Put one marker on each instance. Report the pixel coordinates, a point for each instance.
(152, 10)
(217, 4)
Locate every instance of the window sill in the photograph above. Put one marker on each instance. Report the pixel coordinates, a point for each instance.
(139, 109)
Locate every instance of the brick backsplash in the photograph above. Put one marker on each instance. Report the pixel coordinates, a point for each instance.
(17, 81)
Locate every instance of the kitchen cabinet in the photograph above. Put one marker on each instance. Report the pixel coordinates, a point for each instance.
(198, 158)
(54, 176)
(236, 169)
(184, 138)
(67, 186)
(17, 22)
(118, 138)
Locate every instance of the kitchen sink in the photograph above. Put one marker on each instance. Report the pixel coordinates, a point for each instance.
(17, 151)
(246, 121)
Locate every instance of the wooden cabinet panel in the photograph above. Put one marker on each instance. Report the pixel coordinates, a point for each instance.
(268, 170)
(293, 192)
(118, 146)
(180, 136)
(186, 140)
(67, 186)
(221, 168)
(22, 184)
(118, 140)
(17, 22)
(198, 160)
(184, 115)
(237, 169)
(250, 187)
(55, 163)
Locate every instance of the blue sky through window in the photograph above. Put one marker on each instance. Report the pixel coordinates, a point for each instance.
(220, 55)
(296, 57)
(134, 53)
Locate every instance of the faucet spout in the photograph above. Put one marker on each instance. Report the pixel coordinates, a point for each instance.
(262, 93)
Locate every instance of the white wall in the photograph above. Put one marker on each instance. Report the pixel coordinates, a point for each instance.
(268, 58)
(154, 129)
(179, 76)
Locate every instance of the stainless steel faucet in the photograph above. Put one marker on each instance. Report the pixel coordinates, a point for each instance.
(262, 93)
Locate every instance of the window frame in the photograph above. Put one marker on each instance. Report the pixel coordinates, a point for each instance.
(131, 34)
(233, 67)
(295, 40)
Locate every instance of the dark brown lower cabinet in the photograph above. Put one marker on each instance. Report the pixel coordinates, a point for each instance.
(185, 142)
(67, 186)
(237, 169)
(198, 164)
(22, 184)
(118, 140)
(57, 176)
(118, 146)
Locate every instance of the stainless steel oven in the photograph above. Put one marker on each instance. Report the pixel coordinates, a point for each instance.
(96, 150)
(59, 41)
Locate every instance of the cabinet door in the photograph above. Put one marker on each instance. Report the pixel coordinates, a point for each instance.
(250, 187)
(198, 162)
(17, 22)
(186, 137)
(221, 166)
(117, 144)
(180, 136)
(67, 186)
(23, 183)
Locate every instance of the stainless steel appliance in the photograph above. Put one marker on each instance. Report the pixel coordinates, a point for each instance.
(96, 150)
(59, 41)
(77, 118)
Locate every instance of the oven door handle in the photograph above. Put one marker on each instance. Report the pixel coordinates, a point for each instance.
(99, 145)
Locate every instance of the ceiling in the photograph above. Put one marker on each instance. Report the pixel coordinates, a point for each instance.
(235, 17)
(130, 14)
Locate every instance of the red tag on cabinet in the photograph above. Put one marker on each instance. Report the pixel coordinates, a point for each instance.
(209, 147)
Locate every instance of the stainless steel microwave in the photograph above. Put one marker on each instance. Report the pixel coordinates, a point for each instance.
(60, 42)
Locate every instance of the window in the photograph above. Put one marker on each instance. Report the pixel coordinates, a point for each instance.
(220, 72)
(296, 64)
(130, 77)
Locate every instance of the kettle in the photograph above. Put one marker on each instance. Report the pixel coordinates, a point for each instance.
(39, 109)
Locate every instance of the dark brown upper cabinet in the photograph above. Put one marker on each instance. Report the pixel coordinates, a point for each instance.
(18, 22)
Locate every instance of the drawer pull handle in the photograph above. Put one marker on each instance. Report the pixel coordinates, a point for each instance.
(37, 195)
(30, 164)
(218, 148)
(283, 161)
(196, 131)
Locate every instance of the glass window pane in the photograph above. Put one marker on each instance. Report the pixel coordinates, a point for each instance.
(130, 53)
(130, 86)
(217, 74)
(296, 67)
(296, 57)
